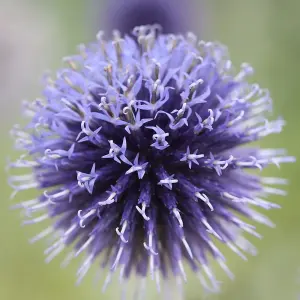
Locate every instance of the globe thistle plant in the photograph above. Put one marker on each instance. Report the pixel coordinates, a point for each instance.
(138, 147)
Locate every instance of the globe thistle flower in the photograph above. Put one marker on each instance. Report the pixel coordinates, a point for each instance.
(138, 149)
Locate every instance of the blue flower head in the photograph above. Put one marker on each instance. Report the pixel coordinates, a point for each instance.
(138, 149)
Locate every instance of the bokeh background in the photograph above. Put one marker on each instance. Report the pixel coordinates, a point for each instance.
(35, 34)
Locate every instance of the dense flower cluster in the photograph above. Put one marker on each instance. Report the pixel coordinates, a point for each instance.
(136, 146)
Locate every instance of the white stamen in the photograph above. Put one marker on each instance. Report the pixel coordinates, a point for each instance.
(262, 219)
(203, 282)
(273, 180)
(121, 234)
(149, 247)
(160, 137)
(211, 277)
(56, 195)
(246, 246)
(187, 247)
(236, 250)
(274, 191)
(84, 268)
(107, 281)
(55, 245)
(134, 169)
(167, 181)
(50, 154)
(262, 203)
(41, 235)
(238, 118)
(283, 159)
(272, 152)
(86, 263)
(109, 200)
(36, 220)
(83, 218)
(195, 84)
(39, 206)
(20, 163)
(225, 268)
(85, 128)
(71, 228)
(205, 199)
(178, 217)
(253, 163)
(142, 211)
(54, 253)
(215, 249)
(246, 69)
(85, 245)
(210, 229)
(252, 232)
(227, 162)
(195, 156)
(58, 246)
(26, 177)
(118, 257)
(246, 227)
(67, 260)
(182, 110)
(25, 204)
(210, 120)
(27, 186)
(233, 198)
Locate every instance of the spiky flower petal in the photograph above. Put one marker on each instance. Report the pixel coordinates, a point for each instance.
(136, 147)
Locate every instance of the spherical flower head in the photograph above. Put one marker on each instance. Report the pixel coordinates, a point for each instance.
(138, 149)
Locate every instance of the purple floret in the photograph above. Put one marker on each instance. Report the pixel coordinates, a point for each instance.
(138, 151)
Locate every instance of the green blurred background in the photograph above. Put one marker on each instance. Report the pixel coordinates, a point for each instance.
(35, 34)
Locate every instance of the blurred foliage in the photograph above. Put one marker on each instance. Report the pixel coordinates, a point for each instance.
(265, 34)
